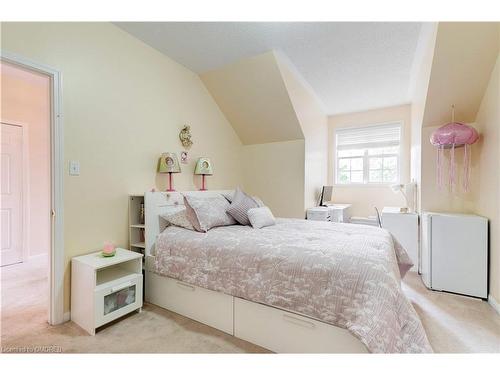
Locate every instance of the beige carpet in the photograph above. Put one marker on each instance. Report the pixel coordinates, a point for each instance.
(453, 323)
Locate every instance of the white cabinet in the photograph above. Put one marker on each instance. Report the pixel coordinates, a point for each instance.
(404, 227)
(105, 288)
(455, 253)
(339, 213)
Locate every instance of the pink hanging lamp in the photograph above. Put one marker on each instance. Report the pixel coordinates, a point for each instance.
(451, 136)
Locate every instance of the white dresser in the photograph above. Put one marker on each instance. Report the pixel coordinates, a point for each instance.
(404, 227)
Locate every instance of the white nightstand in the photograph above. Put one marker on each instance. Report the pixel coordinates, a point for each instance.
(403, 226)
(105, 288)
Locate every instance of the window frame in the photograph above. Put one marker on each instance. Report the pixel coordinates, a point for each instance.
(366, 157)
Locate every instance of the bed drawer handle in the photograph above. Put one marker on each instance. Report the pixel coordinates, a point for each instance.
(298, 321)
(185, 286)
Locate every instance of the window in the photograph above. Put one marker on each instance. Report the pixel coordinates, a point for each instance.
(368, 155)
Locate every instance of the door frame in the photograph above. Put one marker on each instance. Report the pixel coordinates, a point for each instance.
(25, 193)
(56, 261)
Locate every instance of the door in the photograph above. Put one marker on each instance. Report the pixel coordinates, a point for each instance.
(11, 191)
(459, 254)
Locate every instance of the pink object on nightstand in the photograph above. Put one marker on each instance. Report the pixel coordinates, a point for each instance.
(108, 249)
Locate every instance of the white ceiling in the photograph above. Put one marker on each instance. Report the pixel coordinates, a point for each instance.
(351, 66)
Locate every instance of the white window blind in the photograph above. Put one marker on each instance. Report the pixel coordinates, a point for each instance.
(368, 154)
(369, 136)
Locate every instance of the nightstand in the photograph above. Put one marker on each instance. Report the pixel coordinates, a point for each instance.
(105, 288)
(403, 226)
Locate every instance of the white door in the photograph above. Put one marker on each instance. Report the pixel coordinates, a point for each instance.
(11, 191)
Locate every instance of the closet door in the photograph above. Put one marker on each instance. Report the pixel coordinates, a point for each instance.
(11, 191)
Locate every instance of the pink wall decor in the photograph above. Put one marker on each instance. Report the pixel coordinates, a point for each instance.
(451, 136)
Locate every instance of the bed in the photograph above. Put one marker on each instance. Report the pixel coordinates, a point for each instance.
(298, 286)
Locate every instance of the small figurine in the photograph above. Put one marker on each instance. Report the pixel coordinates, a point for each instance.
(185, 136)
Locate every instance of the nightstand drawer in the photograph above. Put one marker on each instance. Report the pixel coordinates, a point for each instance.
(114, 300)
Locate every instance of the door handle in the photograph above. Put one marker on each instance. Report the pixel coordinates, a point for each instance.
(298, 321)
(121, 286)
(185, 286)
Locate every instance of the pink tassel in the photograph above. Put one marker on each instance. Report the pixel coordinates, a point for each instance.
(467, 166)
(452, 168)
(439, 170)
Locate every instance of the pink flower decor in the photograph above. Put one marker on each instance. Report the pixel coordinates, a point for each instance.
(452, 135)
(109, 248)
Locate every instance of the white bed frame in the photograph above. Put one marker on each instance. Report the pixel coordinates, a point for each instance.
(272, 328)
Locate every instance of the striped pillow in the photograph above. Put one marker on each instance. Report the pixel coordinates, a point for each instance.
(240, 205)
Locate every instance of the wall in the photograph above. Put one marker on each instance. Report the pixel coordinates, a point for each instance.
(464, 55)
(425, 51)
(25, 98)
(254, 99)
(488, 158)
(314, 124)
(274, 111)
(364, 198)
(123, 104)
(274, 172)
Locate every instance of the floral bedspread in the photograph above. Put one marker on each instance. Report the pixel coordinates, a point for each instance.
(343, 274)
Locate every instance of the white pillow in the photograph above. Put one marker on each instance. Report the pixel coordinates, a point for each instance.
(178, 218)
(261, 217)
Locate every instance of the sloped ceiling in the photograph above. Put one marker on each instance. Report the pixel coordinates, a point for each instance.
(252, 95)
(464, 56)
(352, 66)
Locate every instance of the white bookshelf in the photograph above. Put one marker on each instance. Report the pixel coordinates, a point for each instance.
(136, 225)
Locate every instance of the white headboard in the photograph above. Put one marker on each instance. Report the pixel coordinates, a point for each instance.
(157, 203)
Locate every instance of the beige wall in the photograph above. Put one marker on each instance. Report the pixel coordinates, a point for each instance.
(123, 104)
(364, 198)
(280, 122)
(275, 173)
(426, 51)
(25, 98)
(254, 99)
(464, 55)
(488, 159)
(313, 122)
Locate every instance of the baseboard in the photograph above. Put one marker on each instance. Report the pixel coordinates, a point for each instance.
(494, 303)
(38, 257)
(67, 316)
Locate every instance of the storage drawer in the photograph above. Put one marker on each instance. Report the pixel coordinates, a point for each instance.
(285, 332)
(203, 305)
(118, 299)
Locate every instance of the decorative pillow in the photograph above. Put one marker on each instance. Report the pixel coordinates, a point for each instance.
(178, 217)
(230, 194)
(205, 213)
(240, 205)
(261, 217)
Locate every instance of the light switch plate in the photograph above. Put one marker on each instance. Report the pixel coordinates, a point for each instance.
(74, 168)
